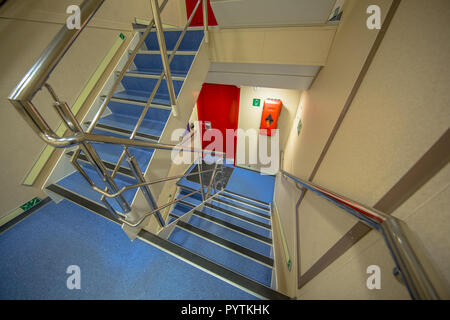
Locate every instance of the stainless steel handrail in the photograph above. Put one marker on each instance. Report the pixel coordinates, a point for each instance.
(37, 77)
(419, 276)
(38, 74)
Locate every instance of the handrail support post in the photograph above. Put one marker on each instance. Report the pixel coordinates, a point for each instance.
(164, 57)
(145, 189)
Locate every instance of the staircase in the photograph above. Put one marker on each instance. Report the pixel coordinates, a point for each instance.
(230, 235)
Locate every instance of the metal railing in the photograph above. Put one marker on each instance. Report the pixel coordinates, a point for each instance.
(413, 267)
(37, 78)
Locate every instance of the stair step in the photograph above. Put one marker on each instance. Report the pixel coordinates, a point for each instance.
(112, 152)
(110, 166)
(242, 250)
(152, 63)
(241, 208)
(125, 133)
(169, 52)
(257, 246)
(241, 215)
(143, 87)
(76, 183)
(149, 129)
(142, 96)
(246, 199)
(139, 103)
(233, 224)
(244, 203)
(149, 74)
(190, 42)
(222, 256)
(224, 273)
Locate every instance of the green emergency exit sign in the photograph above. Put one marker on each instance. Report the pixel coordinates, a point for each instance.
(256, 102)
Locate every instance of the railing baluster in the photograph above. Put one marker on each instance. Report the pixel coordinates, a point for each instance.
(163, 50)
(205, 20)
(145, 189)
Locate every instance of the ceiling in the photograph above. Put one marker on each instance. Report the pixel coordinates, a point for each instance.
(262, 75)
(266, 13)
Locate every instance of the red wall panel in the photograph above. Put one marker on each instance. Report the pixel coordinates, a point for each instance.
(198, 17)
(219, 104)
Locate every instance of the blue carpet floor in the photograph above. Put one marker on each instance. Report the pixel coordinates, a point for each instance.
(36, 253)
(251, 184)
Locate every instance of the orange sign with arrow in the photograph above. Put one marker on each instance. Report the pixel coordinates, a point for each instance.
(270, 115)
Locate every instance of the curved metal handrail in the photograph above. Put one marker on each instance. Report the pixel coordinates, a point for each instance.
(419, 276)
(38, 74)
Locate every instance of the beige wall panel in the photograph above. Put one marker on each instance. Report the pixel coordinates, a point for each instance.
(113, 14)
(289, 45)
(400, 110)
(326, 98)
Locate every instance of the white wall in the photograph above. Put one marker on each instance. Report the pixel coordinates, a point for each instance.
(250, 116)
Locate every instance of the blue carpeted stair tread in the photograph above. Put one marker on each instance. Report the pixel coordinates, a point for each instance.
(222, 256)
(265, 206)
(133, 110)
(251, 184)
(150, 127)
(146, 85)
(180, 209)
(141, 96)
(240, 212)
(244, 205)
(237, 222)
(190, 42)
(151, 63)
(155, 72)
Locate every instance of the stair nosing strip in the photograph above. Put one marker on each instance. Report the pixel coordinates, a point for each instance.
(211, 267)
(82, 201)
(227, 244)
